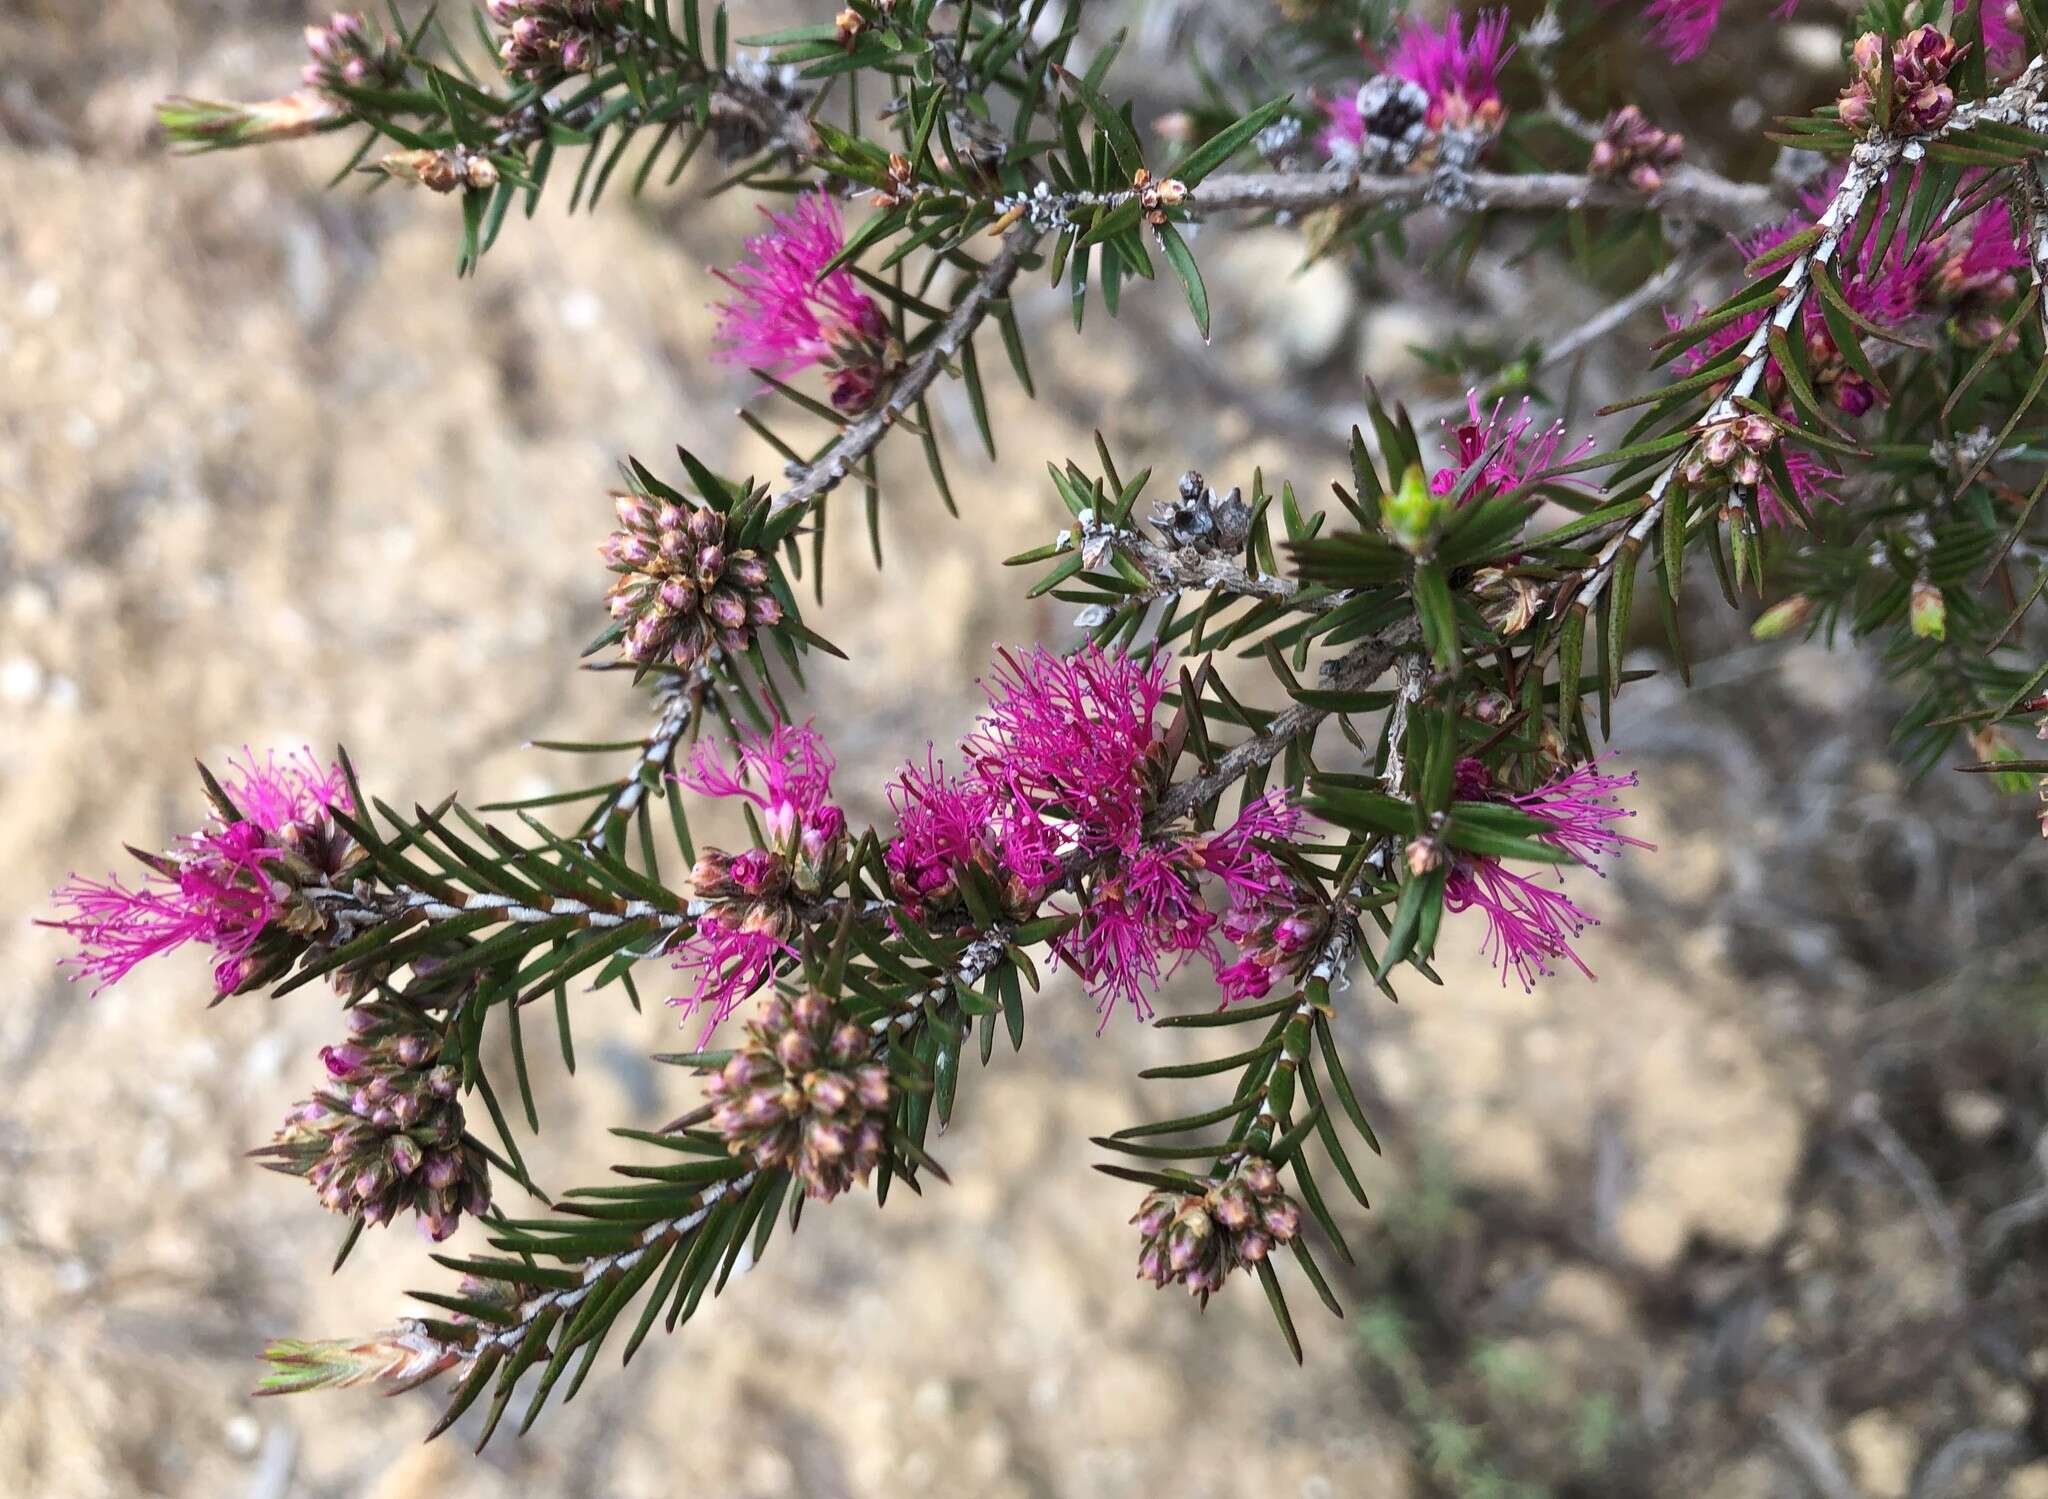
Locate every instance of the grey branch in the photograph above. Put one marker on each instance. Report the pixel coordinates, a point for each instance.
(1356, 669)
(862, 437)
(1172, 569)
(1873, 160)
(1688, 193)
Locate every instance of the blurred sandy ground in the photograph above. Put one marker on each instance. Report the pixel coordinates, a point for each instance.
(270, 473)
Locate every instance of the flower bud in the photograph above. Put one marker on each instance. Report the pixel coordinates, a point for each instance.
(711, 877)
(727, 610)
(848, 1046)
(1927, 611)
(1411, 514)
(810, 1011)
(795, 1050)
(1782, 618)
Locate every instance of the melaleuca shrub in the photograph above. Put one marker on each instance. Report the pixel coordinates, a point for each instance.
(1827, 376)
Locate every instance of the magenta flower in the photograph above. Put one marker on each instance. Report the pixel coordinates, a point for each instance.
(1813, 481)
(944, 824)
(1985, 263)
(1147, 917)
(1113, 950)
(1063, 767)
(1460, 74)
(217, 886)
(1234, 858)
(1520, 457)
(1684, 27)
(1889, 290)
(1963, 273)
(2005, 39)
(1137, 927)
(1073, 735)
(731, 958)
(787, 776)
(1262, 921)
(784, 317)
(742, 930)
(1530, 923)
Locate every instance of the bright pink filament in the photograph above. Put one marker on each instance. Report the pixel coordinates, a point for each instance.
(783, 317)
(213, 886)
(1530, 924)
(1518, 457)
(1452, 68)
(786, 774)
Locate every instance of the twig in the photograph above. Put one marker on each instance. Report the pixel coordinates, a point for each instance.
(1688, 193)
(1869, 165)
(1172, 569)
(1364, 664)
(1992, 1447)
(2001, 1225)
(1887, 1142)
(1810, 1448)
(677, 707)
(857, 441)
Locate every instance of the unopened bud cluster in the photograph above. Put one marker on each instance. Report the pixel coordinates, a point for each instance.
(680, 591)
(346, 52)
(1632, 150)
(545, 39)
(805, 1094)
(1732, 450)
(1922, 101)
(1198, 1238)
(387, 1134)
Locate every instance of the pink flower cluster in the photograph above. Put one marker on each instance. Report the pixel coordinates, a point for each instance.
(946, 824)
(1531, 922)
(1523, 450)
(1061, 775)
(786, 775)
(784, 317)
(1964, 273)
(1449, 79)
(1460, 73)
(217, 886)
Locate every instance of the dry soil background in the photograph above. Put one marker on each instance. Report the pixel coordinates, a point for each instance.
(269, 473)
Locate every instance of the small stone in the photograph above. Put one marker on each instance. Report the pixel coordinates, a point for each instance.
(1882, 1450)
(21, 681)
(1812, 46)
(242, 1434)
(1973, 1114)
(1591, 1299)
(2030, 1482)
